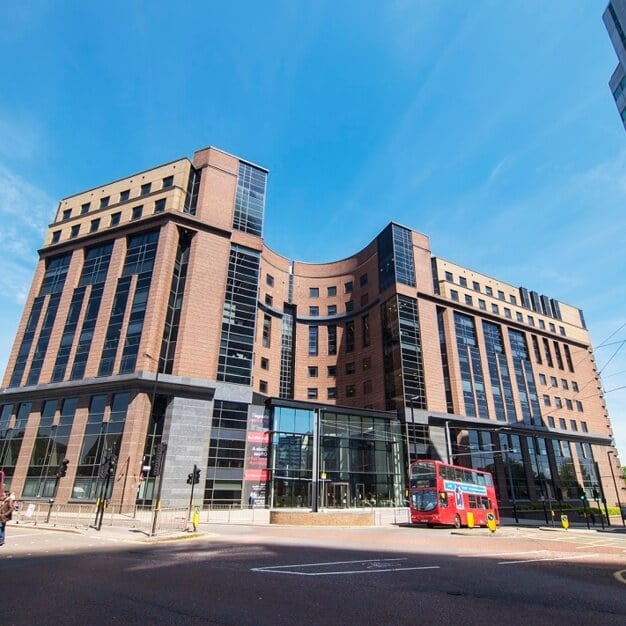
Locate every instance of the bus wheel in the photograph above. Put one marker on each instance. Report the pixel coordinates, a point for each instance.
(457, 521)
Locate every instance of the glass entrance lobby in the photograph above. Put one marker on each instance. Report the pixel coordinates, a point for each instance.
(343, 458)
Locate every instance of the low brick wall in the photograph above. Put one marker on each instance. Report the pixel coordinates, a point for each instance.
(322, 518)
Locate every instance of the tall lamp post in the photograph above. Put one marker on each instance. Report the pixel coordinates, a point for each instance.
(619, 504)
(152, 419)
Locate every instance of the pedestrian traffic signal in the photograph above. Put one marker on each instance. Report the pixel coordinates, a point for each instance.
(62, 470)
(596, 495)
(112, 464)
(581, 493)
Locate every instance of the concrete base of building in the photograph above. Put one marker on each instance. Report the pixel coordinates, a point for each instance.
(323, 518)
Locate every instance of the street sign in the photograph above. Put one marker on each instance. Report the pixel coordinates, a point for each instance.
(564, 521)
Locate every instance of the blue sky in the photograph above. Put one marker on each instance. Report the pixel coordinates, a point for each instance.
(487, 125)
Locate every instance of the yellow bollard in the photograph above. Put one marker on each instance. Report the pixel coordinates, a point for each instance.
(195, 518)
(564, 521)
(470, 519)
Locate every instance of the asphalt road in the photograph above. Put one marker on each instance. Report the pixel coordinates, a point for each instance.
(240, 575)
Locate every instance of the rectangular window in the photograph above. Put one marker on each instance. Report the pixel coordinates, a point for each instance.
(531, 320)
(512, 299)
(475, 286)
(365, 330)
(74, 232)
(332, 291)
(124, 195)
(331, 371)
(250, 199)
(159, 205)
(468, 300)
(95, 224)
(347, 287)
(350, 391)
(562, 330)
(263, 386)
(564, 384)
(367, 362)
(349, 306)
(583, 426)
(314, 311)
(332, 309)
(495, 309)
(350, 336)
(314, 292)
(312, 372)
(454, 295)
(482, 305)
(269, 300)
(562, 424)
(56, 235)
(558, 403)
(489, 291)
(168, 181)
(137, 211)
(104, 202)
(546, 400)
(145, 189)
(267, 330)
(553, 382)
(115, 219)
(265, 363)
(311, 393)
(573, 425)
(550, 421)
(313, 336)
(542, 324)
(575, 386)
(449, 277)
(84, 208)
(542, 379)
(551, 327)
(507, 312)
(568, 404)
(269, 280)
(519, 317)
(462, 281)
(363, 280)
(350, 367)
(67, 213)
(500, 295)
(332, 339)
(331, 392)
(579, 406)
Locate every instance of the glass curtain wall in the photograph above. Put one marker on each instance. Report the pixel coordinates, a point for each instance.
(360, 460)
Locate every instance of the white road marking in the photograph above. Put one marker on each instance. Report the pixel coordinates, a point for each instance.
(553, 558)
(490, 554)
(375, 566)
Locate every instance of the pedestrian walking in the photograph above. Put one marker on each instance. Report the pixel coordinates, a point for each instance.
(7, 506)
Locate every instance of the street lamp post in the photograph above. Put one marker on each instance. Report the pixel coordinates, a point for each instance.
(155, 385)
(619, 504)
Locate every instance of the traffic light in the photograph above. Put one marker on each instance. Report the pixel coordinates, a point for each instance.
(596, 495)
(581, 493)
(112, 464)
(157, 460)
(62, 470)
(194, 477)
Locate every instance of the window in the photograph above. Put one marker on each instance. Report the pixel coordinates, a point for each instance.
(495, 309)
(145, 189)
(558, 403)
(475, 286)
(347, 287)
(269, 280)
(268, 299)
(332, 291)
(115, 219)
(350, 391)
(56, 235)
(332, 309)
(95, 224)
(579, 406)
(542, 324)
(519, 317)
(104, 202)
(568, 404)
(573, 425)
(263, 386)
(449, 277)
(500, 295)
(84, 208)
(265, 363)
(553, 382)
(513, 299)
(331, 392)
(564, 384)
(363, 280)
(562, 330)
(349, 306)
(462, 281)
(313, 335)
(159, 205)
(583, 426)
(331, 371)
(551, 327)
(367, 362)
(314, 292)
(550, 421)
(562, 424)
(75, 230)
(267, 330)
(489, 291)
(482, 305)
(137, 211)
(546, 400)
(332, 339)
(311, 393)
(542, 379)
(124, 195)
(454, 295)
(507, 312)
(468, 300)
(531, 320)
(575, 386)
(350, 367)
(349, 336)
(314, 311)
(67, 213)
(168, 181)
(312, 372)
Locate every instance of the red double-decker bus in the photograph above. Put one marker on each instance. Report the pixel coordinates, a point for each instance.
(450, 495)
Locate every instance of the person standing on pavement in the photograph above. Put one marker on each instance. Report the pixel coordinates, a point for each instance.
(7, 506)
